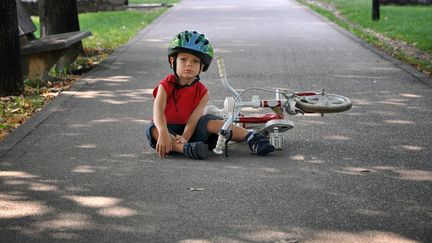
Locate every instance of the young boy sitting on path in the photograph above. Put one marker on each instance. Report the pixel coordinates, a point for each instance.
(180, 98)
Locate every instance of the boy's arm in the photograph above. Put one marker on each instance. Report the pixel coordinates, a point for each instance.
(164, 143)
(195, 116)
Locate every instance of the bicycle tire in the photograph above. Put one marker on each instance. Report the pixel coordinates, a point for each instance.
(323, 103)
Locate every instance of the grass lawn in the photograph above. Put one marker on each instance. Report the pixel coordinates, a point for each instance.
(112, 29)
(407, 23)
(411, 23)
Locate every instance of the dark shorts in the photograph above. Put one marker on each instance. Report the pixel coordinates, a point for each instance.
(201, 134)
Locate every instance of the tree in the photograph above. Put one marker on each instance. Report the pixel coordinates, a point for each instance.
(11, 81)
(58, 17)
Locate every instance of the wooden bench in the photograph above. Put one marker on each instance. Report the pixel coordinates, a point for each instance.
(38, 56)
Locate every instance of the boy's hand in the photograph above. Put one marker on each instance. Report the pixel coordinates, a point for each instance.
(180, 139)
(164, 145)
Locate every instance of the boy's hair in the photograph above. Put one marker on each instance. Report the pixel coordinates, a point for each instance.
(194, 43)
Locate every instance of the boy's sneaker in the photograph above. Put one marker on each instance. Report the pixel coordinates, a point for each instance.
(260, 144)
(196, 150)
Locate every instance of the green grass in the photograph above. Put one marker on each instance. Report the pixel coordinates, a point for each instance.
(112, 29)
(152, 1)
(410, 23)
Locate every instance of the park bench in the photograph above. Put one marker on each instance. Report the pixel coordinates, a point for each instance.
(38, 56)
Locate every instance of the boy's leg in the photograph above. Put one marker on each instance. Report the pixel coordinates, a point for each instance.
(196, 150)
(258, 143)
(177, 147)
(239, 133)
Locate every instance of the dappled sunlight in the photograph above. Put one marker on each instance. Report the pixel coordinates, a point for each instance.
(312, 160)
(297, 157)
(220, 50)
(106, 120)
(14, 182)
(16, 206)
(407, 174)
(115, 78)
(403, 174)
(354, 170)
(86, 146)
(114, 102)
(361, 102)
(396, 102)
(196, 241)
(125, 156)
(117, 97)
(411, 95)
(233, 167)
(107, 206)
(147, 91)
(94, 201)
(16, 174)
(271, 170)
(371, 212)
(411, 148)
(42, 187)
(315, 161)
(93, 94)
(65, 221)
(79, 126)
(154, 40)
(268, 236)
(400, 122)
(353, 76)
(337, 137)
(117, 212)
(311, 115)
(83, 169)
(357, 237)
(383, 113)
(414, 175)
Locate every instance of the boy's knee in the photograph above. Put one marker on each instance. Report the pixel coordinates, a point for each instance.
(152, 135)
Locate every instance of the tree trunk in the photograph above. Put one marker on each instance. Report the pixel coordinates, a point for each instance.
(11, 82)
(58, 17)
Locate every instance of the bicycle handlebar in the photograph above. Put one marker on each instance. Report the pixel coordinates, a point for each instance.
(223, 78)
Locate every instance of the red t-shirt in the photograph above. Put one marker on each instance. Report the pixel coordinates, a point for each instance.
(187, 99)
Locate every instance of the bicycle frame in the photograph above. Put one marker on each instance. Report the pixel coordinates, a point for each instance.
(272, 124)
(269, 122)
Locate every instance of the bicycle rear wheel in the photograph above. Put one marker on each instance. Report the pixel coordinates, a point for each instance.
(323, 103)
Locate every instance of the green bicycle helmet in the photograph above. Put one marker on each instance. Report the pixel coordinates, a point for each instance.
(194, 43)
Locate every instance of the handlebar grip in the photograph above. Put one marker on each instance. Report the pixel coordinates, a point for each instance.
(219, 145)
(221, 66)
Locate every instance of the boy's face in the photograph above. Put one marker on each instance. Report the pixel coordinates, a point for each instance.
(188, 67)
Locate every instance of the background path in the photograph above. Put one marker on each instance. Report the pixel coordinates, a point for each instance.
(81, 170)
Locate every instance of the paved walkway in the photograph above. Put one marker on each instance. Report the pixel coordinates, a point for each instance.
(81, 170)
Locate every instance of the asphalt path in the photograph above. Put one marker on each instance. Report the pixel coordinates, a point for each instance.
(81, 169)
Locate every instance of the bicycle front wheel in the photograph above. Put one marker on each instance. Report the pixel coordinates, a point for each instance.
(323, 103)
